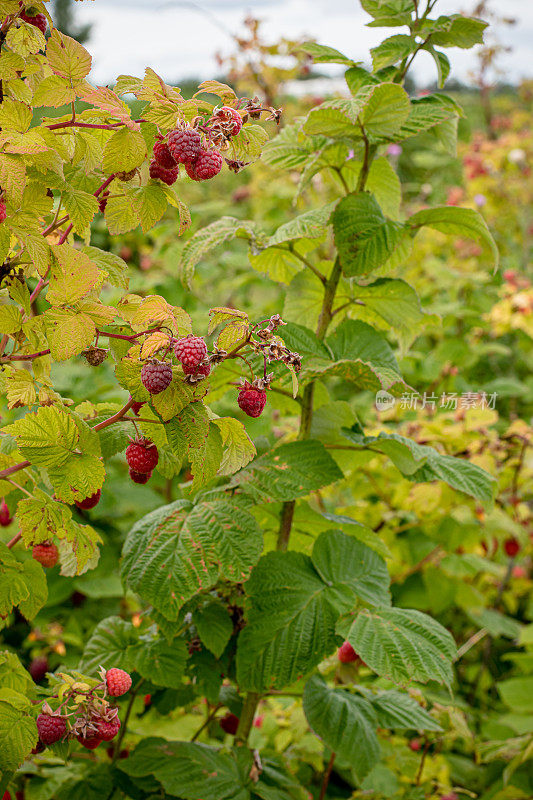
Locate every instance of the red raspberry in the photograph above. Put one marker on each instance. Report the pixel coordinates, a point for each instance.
(190, 351)
(232, 114)
(5, 517)
(207, 165)
(136, 407)
(107, 730)
(51, 728)
(251, 400)
(118, 682)
(511, 547)
(39, 20)
(168, 176)
(139, 477)
(38, 668)
(201, 369)
(415, 745)
(229, 724)
(103, 203)
(156, 376)
(3, 211)
(185, 145)
(89, 502)
(142, 455)
(163, 156)
(6, 796)
(46, 554)
(91, 742)
(346, 654)
(39, 748)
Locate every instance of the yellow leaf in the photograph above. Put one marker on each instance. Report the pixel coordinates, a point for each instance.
(156, 341)
(67, 57)
(73, 275)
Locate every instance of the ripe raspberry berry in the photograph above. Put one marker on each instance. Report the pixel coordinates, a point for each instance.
(38, 668)
(103, 203)
(136, 407)
(139, 477)
(46, 554)
(231, 114)
(39, 20)
(142, 455)
(251, 400)
(3, 211)
(511, 547)
(118, 682)
(6, 796)
(185, 145)
(190, 352)
(5, 517)
(51, 728)
(229, 723)
(156, 376)
(168, 176)
(108, 729)
(39, 748)
(207, 165)
(89, 502)
(163, 156)
(346, 654)
(202, 370)
(415, 745)
(91, 742)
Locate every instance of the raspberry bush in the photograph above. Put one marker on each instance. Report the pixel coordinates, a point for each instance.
(246, 582)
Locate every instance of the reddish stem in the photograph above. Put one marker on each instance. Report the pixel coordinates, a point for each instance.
(116, 417)
(15, 468)
(27, 357)
(14, 540)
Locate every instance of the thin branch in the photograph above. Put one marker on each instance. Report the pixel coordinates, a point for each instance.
(327, 776)
(115, 418)
(24, 357)
(14, 540)
(206, 722)
(127, 715)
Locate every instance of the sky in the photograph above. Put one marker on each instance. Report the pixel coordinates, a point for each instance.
(178, 39)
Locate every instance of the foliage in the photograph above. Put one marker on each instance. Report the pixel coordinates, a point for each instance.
(244, 565)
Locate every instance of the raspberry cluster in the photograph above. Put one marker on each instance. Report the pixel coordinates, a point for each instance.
(3, 211)
(85, 714)
(5, 517)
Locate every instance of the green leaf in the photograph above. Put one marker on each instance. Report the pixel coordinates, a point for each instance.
(441, 62)
(124, 150)
(238, 448)
(401, 644)
(422, 463)
(428, 112)
(179, 550)
(517, 693)
(108, 646)
(294, 602)
(362, 356)
(189, 770)
(121, 215)
(81, 207)
(289, 471)
(459, 31)
(18, 731)
(364, 238)
(391, 50)
(116, 268)
(151, 203)
(73, 275)
(398, 711)
(312, 224)
(209, 237)
(395, 303)
(14, 676)
(458, 222)
(322, 54)
(67, 57)
(206, 459)
(346, 724)
(388, 13)
(214, 626)
(386, 110)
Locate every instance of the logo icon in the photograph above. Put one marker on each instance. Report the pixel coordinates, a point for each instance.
(384, 400)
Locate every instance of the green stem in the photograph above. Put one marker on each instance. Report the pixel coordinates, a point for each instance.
(133, 695)
(247, 716)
